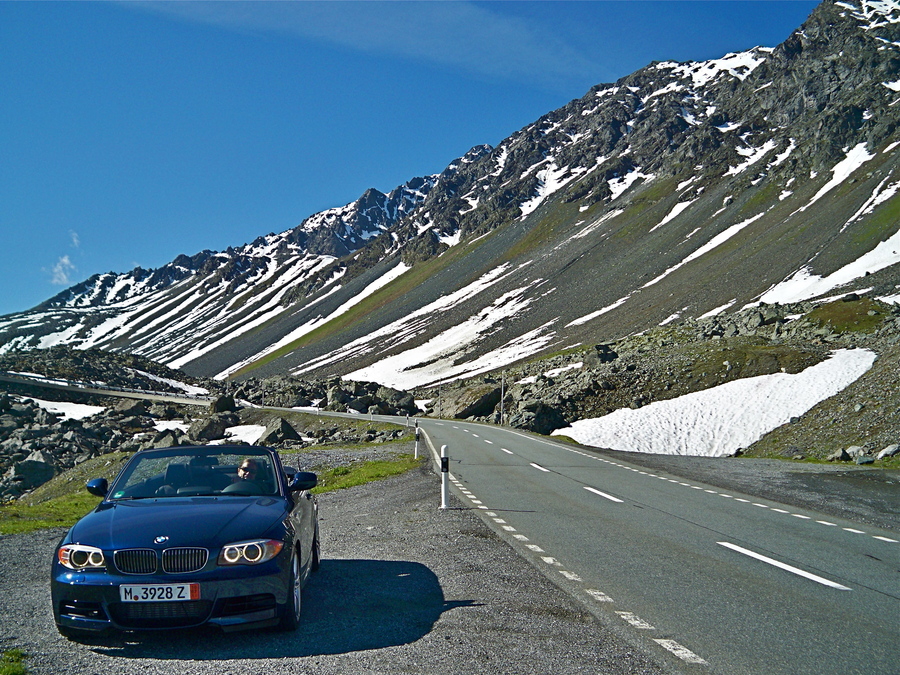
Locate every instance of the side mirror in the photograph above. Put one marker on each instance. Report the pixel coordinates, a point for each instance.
(98, 487)
(303, 480)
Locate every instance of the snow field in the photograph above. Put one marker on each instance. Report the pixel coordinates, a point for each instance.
(718, 421)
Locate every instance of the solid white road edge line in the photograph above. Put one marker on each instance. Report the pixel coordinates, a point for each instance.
(784, 566)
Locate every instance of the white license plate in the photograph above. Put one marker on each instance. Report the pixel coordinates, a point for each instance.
(158, 592)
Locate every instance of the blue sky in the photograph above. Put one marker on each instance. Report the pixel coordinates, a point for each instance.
(133, 132)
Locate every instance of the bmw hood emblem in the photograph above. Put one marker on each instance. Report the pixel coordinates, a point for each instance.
(161, 539)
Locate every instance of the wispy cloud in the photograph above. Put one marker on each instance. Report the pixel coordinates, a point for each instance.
(60, 274)
(76, 241)
(463, 35)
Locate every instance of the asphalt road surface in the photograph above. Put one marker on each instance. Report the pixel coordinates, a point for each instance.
(724, 581)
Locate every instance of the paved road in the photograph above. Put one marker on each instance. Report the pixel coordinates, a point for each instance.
(727, 582)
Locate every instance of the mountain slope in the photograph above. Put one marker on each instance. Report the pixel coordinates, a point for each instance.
(681, 190)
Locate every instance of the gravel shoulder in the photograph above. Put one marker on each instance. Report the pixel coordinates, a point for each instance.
(404, 587)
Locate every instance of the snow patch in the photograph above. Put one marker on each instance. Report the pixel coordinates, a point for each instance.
(718, 421)
(68, 411)
(804, 285)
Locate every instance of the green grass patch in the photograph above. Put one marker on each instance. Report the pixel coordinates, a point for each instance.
(850, 316)
(544, 232)
(342, 477)
(18, 517)
(12, 662)
(880, 225)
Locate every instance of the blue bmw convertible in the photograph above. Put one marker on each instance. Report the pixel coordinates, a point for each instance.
(220, 535)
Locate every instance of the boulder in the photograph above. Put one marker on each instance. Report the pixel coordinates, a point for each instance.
(599, 354)
(277, 432)
(539, 417)
(131, 407)
(222, 404)
(212, 428)
(855, 451)
(889, 451)
(483, 405)
(34, 470)
(362, 404)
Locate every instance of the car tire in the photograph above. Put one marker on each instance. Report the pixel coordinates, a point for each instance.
(290, 618)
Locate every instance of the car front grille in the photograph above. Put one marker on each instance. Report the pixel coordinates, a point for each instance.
(184, 560)
(136, 561)
(160, 614)
(174, 560)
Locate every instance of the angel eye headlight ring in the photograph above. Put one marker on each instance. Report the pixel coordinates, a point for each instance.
(81, 557)
(250, 552)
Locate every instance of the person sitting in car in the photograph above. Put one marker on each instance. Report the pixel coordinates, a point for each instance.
(251, 478)
(248, 470)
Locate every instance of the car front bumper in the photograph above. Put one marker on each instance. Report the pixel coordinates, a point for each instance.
(231, 598)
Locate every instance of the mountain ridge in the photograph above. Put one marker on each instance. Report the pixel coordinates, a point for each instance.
(681, 189)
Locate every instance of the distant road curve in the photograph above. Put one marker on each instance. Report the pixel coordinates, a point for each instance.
(86, 388)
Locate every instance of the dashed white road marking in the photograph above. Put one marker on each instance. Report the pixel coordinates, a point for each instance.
(540, 468)
(784, 566)
(508, 452)
(678, 650)
(599, 596)
(715, 492)
(635, 621)
(604, 495)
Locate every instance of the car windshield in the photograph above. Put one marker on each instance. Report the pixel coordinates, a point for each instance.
(179, 472)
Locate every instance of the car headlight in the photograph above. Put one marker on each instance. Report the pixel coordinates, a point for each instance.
(250, 552)
(80, 557)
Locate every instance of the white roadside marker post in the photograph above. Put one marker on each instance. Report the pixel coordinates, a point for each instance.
(416, 451)
(445, 483)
